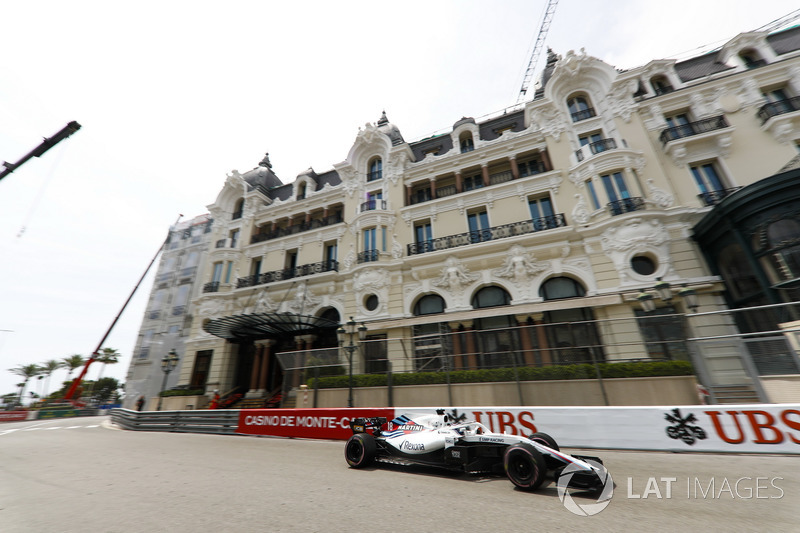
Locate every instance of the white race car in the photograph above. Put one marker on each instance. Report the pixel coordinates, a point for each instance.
(437, 440)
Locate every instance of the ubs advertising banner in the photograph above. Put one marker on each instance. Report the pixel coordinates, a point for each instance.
(749, 428)
(307, 423)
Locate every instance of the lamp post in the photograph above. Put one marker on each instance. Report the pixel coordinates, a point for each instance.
(347, 334)
(168, 364)
(664, 292)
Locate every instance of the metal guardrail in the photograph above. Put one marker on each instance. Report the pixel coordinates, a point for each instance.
(220, 422)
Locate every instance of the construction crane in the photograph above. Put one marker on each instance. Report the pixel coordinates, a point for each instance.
(547, 19)
(45, 145)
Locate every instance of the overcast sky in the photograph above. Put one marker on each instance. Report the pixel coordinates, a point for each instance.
(173, 95)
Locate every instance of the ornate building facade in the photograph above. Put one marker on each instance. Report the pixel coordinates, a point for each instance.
(560, 212)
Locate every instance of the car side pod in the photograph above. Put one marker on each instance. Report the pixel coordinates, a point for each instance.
(525, 466)
(359, 451)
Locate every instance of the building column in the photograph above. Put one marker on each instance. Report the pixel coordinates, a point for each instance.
(254, 373)
(485, 174)
(408, 194)
(459, 182)
(514, 168)
(433, 188)
(266, 352)
(472, 349)
(525, 339)
(548, 165)
(456, 336)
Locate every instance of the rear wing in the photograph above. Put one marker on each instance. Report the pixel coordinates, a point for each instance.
(363, 425)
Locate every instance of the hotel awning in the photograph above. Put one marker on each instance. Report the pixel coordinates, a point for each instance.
(266, 326)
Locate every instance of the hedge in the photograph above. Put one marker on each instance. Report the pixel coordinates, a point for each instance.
(183, 392)
(544, 373)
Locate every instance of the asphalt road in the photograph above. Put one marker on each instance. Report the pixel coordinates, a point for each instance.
(83, 475)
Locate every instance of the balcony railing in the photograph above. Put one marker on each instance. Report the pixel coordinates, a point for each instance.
(375, 175)
(367, 256)
(767, 111)
(287, 273)
(693, 128)
(297, 228)
(596, 147)
(500, 177)
(577, 116)
(710, 198)
(212, 286)
(372, 205)
(626, 205)
(221, 243)
(447, 190)
(488, 234)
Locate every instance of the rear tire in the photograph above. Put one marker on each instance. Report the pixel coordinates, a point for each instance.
(525, 466)
(360, 450)
(547, 440)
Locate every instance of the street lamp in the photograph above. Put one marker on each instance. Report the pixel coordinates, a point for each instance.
(664, 292)
(168, 364)
(347, 334)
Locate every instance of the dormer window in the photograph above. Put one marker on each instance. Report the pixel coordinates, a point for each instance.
(751, 58)
(238, 209)
(375, 169)
(466, 143)
(301, 191)
(661, 85)
(579, 108)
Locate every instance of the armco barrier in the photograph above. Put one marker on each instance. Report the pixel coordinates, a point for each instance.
(13, 416)
(747, 428)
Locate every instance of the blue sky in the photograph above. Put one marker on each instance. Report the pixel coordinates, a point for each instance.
(174, 95)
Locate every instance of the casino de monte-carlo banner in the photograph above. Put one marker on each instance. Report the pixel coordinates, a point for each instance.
(744, 428)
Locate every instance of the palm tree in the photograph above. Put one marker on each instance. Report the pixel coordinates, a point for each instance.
(107, 356)
(27, 372)
(71, 363)
(47, 370)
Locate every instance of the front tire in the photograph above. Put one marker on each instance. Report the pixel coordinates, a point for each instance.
(525, 466)
(547, 440)
(360, 450)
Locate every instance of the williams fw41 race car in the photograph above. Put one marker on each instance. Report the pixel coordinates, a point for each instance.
(435, 440)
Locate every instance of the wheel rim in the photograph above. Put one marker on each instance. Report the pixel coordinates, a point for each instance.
(355, 450)
(521, 468)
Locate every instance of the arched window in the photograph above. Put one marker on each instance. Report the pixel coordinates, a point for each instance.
(661, 85)
(491, 296)
(560, 288)
(375, 169)
(571, 333)
(579, 108)
(238, 209)
(751, 58)
(466, 142)
(429, 304)
(737, 272)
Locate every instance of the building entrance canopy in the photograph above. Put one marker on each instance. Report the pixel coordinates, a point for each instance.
(266, 326)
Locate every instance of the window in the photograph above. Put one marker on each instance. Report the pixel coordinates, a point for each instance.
(590, 138)
(478, 223)
(331, 251)
(238, 209)
(217, 275)
(663, 334)
(491, 296)
(541, 210)
(371, 302)
(375, 171)
(678, 120)
(708, 182)
(560, 288)
(751, 59)
(375, 354)
(147, 340)
(430, 304)
(579, 108)
(228, 271)
(617, 192)
(571, 333)
(423, 237)
(661, 85)
(374, 201)
(473, 182)
(369, 239)
(255, 267)
(301, 191)
(234, 235)
(202, 364)
(643, 265)
(432, 151)
(291, 260)
(180, 300)
(738, 273)
(530, 167)
(467, 145)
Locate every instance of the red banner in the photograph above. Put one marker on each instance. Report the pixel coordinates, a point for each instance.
(13, 416)
(305, 423)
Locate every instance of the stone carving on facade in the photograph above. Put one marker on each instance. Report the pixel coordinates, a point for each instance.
(349, 179)
(660, 197)
(303, 299)
(349, 259)
(264, 304)
(372, 279)
(397, 166)
(750, 93)
(212, 308)
(620, 99)
(519, 267)
(397, 248)
(549, 120)
(581, 213)
(621, 243)
(455, 276)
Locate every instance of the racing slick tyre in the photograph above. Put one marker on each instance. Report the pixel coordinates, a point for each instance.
(525, 466)
(547, 440)
(360, 450)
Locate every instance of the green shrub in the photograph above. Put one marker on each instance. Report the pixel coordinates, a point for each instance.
(183, 392)
(530, 373)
